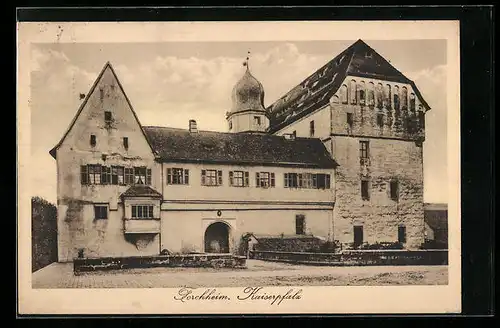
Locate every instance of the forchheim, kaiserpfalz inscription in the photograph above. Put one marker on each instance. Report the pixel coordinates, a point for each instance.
(324, 185)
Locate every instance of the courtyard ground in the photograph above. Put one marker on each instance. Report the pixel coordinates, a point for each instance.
(258, 273)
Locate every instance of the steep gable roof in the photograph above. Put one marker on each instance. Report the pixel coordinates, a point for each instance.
(181, 145)
(315, 91)
(82, 106)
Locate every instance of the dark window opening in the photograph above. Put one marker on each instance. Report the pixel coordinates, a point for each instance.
(125, 142)
(100, 212)
(358, 236)
(350, 120)
(256, 120)
(311, 128)
(402, 234)
(93, 140)
(300, 224)
(394, 189)
(101, 94)
(364, 149)
(108, 117)
(365, 191)
(291, 180)
(380, 120)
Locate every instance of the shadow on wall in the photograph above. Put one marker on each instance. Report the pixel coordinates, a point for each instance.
(43, 233)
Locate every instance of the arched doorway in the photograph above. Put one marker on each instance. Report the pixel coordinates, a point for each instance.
(217, 238)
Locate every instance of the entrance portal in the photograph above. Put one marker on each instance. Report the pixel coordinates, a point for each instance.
(217, 238)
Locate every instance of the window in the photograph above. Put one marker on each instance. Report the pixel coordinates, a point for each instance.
(380, 120)
(412, 102)
(105, 175)
(94, 174)
(129, 175)
(264, 179)
(349, 119)
(402, 234)
(211, 177)
(291, 180)
(352, 92)
(364, 149)
(404, 98)
(362, 93)
(177, 176)
(139, 175)
(311, 129)
(358, 236)
(93, 140)
(343, 94)
(125, 142)
(238, 179)
(117, 175)
(387, 96)
(371, 94)
(307, 180)
(365, 189)
(300, 224)
(107, 117)
(380, 95)
(100, 212)
(394, 190)
(101, 94)
(256, 120)
(142, 212)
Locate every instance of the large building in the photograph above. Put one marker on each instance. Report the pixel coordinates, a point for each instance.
(338, 157)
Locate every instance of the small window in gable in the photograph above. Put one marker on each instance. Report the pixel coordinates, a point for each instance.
(101, 94)
(108, 117)
(93, 140)
(125, 142)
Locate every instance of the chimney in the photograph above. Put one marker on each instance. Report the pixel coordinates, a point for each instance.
(192, 126)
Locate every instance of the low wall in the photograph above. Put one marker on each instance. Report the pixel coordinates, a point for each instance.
(188, 260)
(358, 257)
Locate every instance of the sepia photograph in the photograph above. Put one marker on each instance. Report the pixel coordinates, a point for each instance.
(240, 166)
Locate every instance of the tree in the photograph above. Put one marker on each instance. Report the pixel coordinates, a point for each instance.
(43, 233)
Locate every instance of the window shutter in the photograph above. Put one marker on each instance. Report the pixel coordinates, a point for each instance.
(148, 176)
(230, 178)
(257, 180)
(169, 176)
(203, 174)
(247, 183)
(327, 182)
(272, 179)
(84, 174)
(151, 211)
(286, 180)
(315, 180)
(134, 211)
(219, 175)
(186, 176)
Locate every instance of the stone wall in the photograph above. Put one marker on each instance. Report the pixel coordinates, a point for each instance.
(380, 216)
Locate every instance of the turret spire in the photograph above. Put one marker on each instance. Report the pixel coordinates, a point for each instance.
(246, 62)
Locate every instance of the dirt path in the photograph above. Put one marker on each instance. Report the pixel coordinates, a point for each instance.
(259, 273)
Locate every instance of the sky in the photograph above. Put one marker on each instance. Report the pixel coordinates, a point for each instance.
(169, 83)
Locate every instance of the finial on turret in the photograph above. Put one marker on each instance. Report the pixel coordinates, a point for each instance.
(246, 62)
